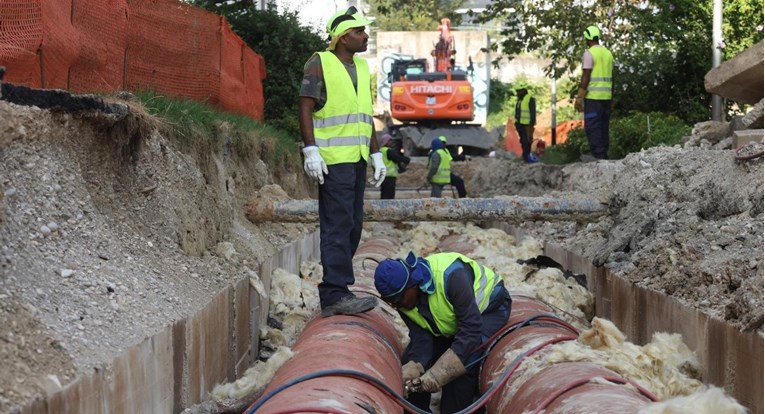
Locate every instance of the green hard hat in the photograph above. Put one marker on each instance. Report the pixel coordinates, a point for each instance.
(344, 20)
(591, 33)
(521, 85)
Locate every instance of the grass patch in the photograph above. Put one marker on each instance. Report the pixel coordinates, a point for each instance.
(197, 126)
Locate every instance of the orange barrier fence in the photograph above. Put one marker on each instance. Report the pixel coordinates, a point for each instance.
(541, 139)
(109, 45)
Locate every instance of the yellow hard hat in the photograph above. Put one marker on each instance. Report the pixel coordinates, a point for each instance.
(591, 33)
(345, 20)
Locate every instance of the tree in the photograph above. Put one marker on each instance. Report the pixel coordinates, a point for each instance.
(662, 48)
(407, 15)
(285, 45)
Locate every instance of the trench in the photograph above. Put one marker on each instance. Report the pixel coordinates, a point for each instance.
(178, 366)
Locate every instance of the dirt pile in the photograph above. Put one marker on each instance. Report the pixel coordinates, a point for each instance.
(109, 234)
(688, 222)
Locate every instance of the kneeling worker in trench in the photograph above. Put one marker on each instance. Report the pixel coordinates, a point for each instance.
(450, 304)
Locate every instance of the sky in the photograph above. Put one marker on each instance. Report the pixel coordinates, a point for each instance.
(314, 13)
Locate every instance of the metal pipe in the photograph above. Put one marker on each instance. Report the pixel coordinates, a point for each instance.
(559, 388)
(717, 12)
(367, 343)
(508, 209)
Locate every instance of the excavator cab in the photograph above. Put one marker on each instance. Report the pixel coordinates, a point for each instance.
(418, 95)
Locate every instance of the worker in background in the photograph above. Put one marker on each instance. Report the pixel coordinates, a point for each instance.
(450, 304)
(455, 180)
(335, 115)
(439, 167)
(525, 119)
(393, 161)
(594, 95)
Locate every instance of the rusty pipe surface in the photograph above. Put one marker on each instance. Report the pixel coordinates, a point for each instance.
(508, 209)
(367, 343)
(566, 387)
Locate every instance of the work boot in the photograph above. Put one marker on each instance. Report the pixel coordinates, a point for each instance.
(350, 305)
(587, 158)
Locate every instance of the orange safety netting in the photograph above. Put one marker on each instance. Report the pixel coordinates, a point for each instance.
(110, 45)
(513, 141)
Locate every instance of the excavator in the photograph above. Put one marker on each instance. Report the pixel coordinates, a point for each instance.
(428, 104)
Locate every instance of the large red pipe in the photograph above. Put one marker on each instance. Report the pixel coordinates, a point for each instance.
(369, 344)
(567, 387)
(366, 343)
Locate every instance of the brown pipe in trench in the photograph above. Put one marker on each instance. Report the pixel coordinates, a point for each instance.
(567, 387)
(369, 343)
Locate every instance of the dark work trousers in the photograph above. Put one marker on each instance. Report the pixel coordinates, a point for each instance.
(597, 114)
(523, 134)
(341, 215)
(460, 393)
(388, 188)
(457, 182)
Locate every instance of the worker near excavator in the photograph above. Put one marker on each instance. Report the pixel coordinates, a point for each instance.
(335, 116)
(451, 304)
(440, 166)
(525, 119)
(394, 161)
(594, 95)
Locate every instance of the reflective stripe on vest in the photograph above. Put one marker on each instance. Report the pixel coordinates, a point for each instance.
(391, 169)
(443, 174)
(599, 87)
(525, 110)
(485, 280)
(343, 126)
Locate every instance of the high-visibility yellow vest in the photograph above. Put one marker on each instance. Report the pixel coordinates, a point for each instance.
(485, 280)
(599, 87)
(343, 127)
(443, 174)
(391, 169)
(525, 110)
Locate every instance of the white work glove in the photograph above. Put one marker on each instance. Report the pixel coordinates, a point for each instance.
(379, 166)
(314, 165)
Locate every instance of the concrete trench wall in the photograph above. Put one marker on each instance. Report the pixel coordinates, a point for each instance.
(178, 366)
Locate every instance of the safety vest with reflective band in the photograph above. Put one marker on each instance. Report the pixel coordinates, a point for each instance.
(343, 126)
(443, 174)
(525, 118)
(391, 169)
(599, 87)
(485, 280)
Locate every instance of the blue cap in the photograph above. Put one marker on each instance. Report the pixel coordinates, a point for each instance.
(391, 277)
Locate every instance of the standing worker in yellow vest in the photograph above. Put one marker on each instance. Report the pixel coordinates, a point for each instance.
(525, 119)
(439, 167)
(451, 304)
(594, 96)
(393, 159)
(335, 114)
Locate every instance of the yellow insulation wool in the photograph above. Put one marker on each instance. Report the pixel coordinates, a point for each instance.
(707, 400)
(255, 378)
(657, 366)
